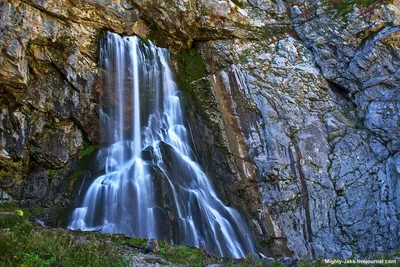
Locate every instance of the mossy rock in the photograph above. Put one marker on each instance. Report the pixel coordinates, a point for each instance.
(88, 150)
(82, 169)
(345, 7)
(85, 162)
(11, 172)
(240, 3)
(191, 67)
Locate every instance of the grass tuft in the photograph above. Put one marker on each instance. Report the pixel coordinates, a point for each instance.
(22, 243)
(181, 255)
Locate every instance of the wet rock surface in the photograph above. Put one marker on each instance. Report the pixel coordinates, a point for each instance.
(298, 129)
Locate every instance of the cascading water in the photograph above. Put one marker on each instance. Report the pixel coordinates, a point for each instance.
(152, 187)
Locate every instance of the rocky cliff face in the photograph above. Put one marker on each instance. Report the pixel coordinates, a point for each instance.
(293, 107)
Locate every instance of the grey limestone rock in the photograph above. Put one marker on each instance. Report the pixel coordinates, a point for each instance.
(328, 187)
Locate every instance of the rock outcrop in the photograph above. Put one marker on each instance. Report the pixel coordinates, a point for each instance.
(327, 187)
(293, 107)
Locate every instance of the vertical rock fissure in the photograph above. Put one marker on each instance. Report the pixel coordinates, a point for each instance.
(305, 199)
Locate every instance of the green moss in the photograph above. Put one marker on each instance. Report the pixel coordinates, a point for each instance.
(40, 66)
(87, 150)
(192, 80)
(77, 175)
(205, 11)
(84, 166)
(344, 7)
(33, 149)
(201, 92)
(144, 39)
(76, 179)
(223, 149)
(191, 67)
(51, 172)
(158, 37)
(11, 171)
(240, 3)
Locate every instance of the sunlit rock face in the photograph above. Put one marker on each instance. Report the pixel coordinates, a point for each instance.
(296, 127)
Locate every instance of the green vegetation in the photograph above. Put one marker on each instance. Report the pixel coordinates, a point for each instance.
(157, 36)
(84, 166)
(9, 206)
(136, 241)
(38, 211)
(182, 255)
(22, 243)
(191, 67)
(318, 263)
(195, 257)
(344, 7)
(51, 172)
(11, 172)
(240, 3)
(144, 39)
(87, 150)
(191, 79)
(33, 150)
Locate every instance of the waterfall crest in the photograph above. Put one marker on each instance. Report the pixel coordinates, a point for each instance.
(152, 185)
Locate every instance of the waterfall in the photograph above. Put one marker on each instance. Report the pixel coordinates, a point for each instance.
(152, 186)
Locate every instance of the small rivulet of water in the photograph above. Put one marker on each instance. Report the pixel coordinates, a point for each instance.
(152, 187)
